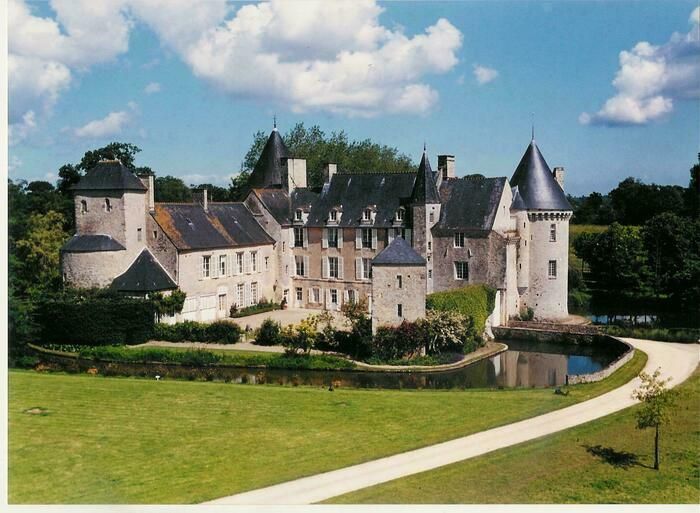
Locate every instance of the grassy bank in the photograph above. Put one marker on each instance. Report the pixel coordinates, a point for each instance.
(604, 461)
(112, 440)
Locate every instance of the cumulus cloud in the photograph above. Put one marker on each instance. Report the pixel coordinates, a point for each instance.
(484, 75)
(651, 78)
(153, 87)
(327, 56)
(111, 124)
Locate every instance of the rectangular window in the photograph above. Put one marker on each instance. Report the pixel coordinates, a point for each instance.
(222, 265)
(332, 237)
(254, 293)
(299, 261)
(399, 214)
(459, 240)
(367, 238)
(366, 269)
(298, 237)
(334, 296)
(430, 273)
(222, 302)
(399, 310)
(552, 269)
(430, 245)
(300, 294)
(399, 281)
(139, 234)
(432, 217)
(240, 295)
(552, 233)
(155, 234)
(297, 215)
(239, 263)
(190, 305)
(267, 263)
(206, 266)
(352, 297)
(334, 215)
(399, 233)
(462, 270)
(254, 261)
(332, 267)
(367, 215)
(316, 295)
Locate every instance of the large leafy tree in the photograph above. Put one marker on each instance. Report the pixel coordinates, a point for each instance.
(692, 193)
(171, 189)
(319, 148)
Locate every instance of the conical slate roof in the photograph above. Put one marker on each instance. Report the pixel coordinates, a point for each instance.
(518, 202)
(399, 252)
(109, 175)
(269, 169)
(144, 275)
(537, 187)
(425, 190)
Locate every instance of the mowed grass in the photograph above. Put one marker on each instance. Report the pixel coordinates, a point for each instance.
(124, 440)
(604, 461)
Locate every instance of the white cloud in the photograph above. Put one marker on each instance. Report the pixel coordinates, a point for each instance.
(651, 78)
(484, 75)
(153, 87)
(111, 124)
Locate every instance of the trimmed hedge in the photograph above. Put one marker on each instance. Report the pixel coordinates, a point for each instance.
(263, 306)
(221, 332)
(94, 320)
(474, 301)
(685, 335)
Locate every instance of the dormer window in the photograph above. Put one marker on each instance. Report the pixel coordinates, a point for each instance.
(83, 207)
(334, 215)
(400, 214)
(298, 214)
(367, 214)
(108, 205)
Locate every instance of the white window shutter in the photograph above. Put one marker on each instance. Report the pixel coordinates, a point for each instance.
(324, 239)
(374, 238)
(200, 268)
(340, 267)
(229, 264)
(328, 297)
(310, 294)
(358, 238)
(347, 296)
(305, 233)
(358, 268)
(213, 266)
(324, 270)
(390, 235)
(340, 238)
(307, 269)
(291, 237)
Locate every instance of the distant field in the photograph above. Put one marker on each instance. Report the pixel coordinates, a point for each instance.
(575, 230)
(124, 440)
(605, 461)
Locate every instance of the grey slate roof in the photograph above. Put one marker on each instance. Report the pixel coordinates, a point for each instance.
(469, 204)
(518, 201)
(145, 274)
(269, 169)
(109, 174)
(282, 205)
(425, 190)
(399, 252)
(355, 192)
(90, 243)
(225, 225)
(537, 186)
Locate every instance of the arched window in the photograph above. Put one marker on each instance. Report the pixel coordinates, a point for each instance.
(83, 207)
(108, 205)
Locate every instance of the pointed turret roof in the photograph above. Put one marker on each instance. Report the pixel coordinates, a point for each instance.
(399, 252)
(536, 185)
(425, 190)
(269, 168)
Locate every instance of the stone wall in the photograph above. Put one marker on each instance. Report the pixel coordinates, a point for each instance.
(161, 246)
(96, 269)
(387, 294)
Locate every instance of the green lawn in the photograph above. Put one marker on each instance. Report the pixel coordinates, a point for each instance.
(604, 461)
(125, 440)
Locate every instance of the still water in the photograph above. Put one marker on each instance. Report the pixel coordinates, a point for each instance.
(525, 364)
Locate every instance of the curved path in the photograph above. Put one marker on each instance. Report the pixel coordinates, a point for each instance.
(676, 360)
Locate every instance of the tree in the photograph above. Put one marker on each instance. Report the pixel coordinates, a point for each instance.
(214, 192)
(656, 400)
(692, 193)
(124, 152)
(171, 189)
(239, 186)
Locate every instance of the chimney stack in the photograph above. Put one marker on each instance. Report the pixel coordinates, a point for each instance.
(296, 173)
(201, 196)
(148, 182)
(558, 174)
(328, 171)
(446, 166)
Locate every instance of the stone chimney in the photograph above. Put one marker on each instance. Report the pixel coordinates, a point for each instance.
(446, 166)
(328, 171)
(201, 196)
(558, 174)
(147, 181)
(296, 173)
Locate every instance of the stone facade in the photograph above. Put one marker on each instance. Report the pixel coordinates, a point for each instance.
(398, 293)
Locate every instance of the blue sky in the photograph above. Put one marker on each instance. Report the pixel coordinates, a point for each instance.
(210, 91)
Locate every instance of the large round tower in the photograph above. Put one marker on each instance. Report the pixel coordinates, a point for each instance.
(543, 213)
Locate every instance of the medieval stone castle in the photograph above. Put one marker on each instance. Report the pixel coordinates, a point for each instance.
(390, 238)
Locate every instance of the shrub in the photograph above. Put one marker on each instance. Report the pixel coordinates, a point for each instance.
(299, 338)
(450, 332)
(168, 305)
(527, 314)
(194, 357)
(473, 301)
(189, 331)
(403, 341)
(268, 334)
(260, 307)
